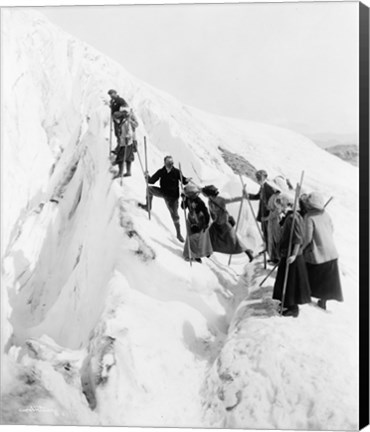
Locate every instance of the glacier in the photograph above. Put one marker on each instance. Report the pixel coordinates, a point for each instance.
(103, 322)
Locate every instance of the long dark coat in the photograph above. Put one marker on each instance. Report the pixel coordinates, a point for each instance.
(223, 236)
(298, 287)
(197, 229)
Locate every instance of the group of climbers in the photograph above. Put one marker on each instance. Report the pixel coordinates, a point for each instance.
(313, 260)
(221, 233)
(307, 232)
(204, 239)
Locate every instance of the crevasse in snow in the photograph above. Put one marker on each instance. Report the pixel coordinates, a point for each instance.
(102, 320)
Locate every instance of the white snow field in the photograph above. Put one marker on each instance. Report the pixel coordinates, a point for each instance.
(103, 322)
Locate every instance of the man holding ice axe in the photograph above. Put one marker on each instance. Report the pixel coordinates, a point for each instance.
(264, 194)
(169, 177)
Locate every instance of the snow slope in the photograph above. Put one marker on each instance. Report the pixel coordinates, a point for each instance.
(102, 320)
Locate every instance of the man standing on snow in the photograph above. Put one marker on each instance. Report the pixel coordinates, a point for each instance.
(169, 177)
(264, 194)
(117, 104)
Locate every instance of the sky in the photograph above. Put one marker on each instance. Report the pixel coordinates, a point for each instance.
(293, 65)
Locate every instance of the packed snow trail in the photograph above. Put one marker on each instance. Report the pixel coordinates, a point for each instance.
(101, 315)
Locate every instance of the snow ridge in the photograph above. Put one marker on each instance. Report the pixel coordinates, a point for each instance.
(101, 315)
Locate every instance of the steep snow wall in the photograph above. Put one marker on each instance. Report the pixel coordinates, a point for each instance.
(101, 316)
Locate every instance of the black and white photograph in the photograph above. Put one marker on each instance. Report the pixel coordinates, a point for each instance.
(181, 215)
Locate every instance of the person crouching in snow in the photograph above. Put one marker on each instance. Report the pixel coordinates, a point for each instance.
(298, 287)
(223, 236)
(197, 225)
(319, 251)
(127, 140)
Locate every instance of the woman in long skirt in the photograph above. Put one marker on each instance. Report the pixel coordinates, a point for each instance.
(223, 236)
(297, 288)
(320, 253)
(197, 225)
(274, 228)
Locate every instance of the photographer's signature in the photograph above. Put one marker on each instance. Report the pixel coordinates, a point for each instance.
(37, 409)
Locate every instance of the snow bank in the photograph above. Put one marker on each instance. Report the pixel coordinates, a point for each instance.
(103, 321)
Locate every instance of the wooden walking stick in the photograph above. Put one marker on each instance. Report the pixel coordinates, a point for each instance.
(255, 219)
(269, 274)
(237, 222)
(186, 223)
(328, 201)
(146, 176)
(141, 163)
(297, 193)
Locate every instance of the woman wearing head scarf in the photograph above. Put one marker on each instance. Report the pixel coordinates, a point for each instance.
(320, 253)
(223, 236)
(197, 225)
(297, 288)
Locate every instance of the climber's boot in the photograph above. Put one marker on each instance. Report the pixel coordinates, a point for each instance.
(180, 238)
(128, 169)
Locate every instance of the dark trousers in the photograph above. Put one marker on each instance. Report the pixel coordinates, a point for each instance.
(265, 232)
(125, 154)
(171, 203)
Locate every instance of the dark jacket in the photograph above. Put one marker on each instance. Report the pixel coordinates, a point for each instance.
(298, 233)
(116, 104)
(169, 181)
(264, 194)
(198, 216)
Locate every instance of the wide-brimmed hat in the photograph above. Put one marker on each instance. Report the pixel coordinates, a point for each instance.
(284, 198)
(210, 190)
(315, 201)
(191, 190)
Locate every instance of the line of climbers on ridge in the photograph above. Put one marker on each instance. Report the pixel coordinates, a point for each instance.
(307, 232)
